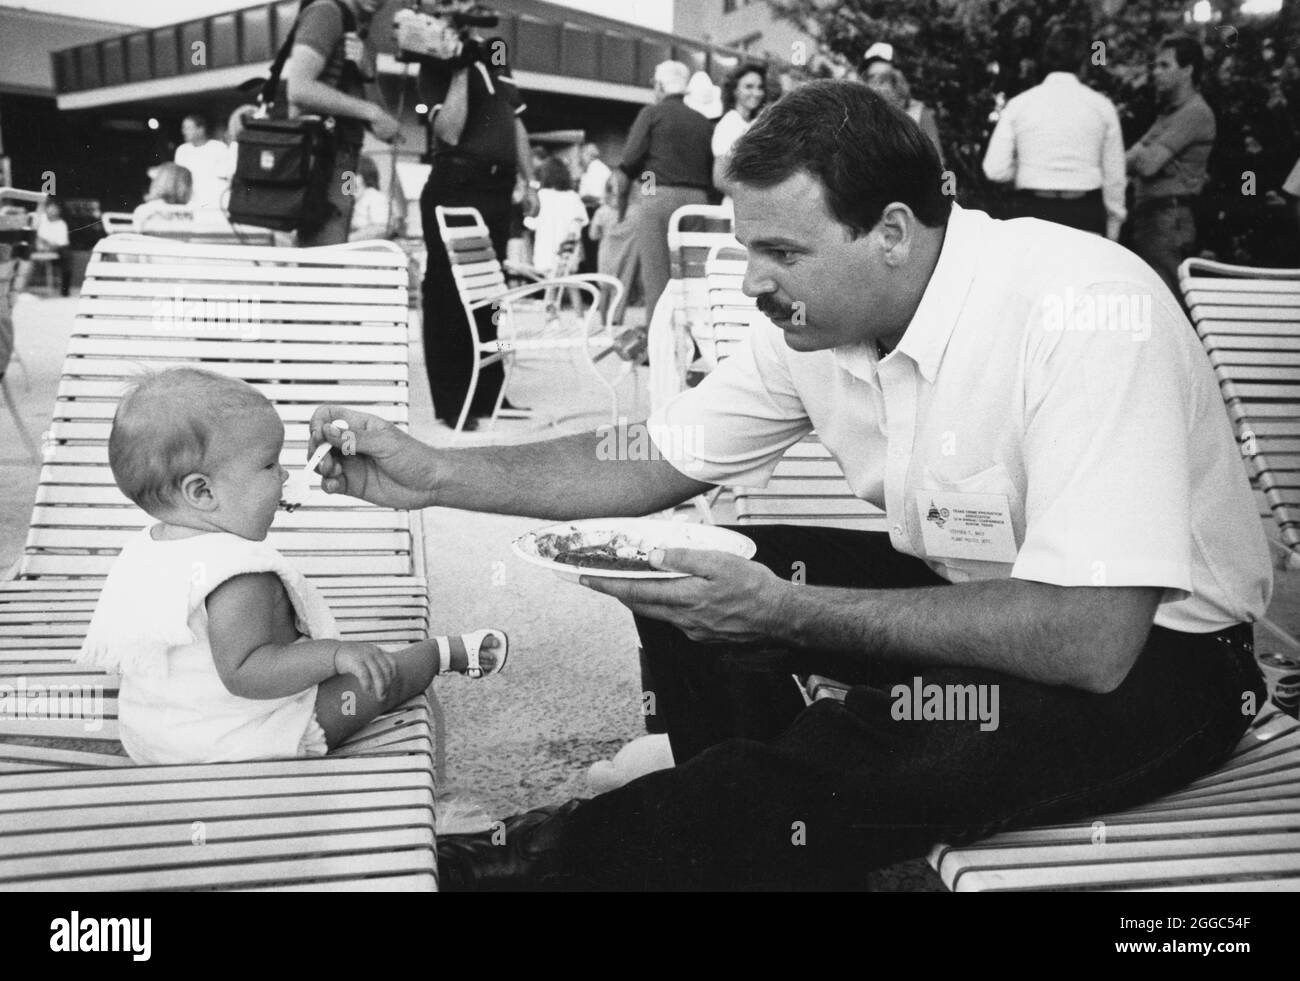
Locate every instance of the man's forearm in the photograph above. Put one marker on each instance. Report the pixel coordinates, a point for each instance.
(1082, 637)
(523, 152)
(449, 124)
(314, 96)
(573, 477)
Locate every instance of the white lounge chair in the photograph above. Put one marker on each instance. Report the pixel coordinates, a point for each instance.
(304, 326)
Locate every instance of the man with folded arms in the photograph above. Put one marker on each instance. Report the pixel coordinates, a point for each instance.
(1169, 165)
(1069, 527)
(1060, 142)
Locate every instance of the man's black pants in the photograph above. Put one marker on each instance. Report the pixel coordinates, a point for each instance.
(768, 794)
(448, 346)
(1086, 213)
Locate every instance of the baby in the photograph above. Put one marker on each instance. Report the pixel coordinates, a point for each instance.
(225, 651)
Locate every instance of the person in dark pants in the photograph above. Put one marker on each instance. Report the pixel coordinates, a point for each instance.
(1060, 144)
(326, 74)
(1170, 163)
(1057, 621)
(668, 161)
(480, 151)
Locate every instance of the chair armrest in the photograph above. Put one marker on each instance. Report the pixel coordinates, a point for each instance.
(587, 282)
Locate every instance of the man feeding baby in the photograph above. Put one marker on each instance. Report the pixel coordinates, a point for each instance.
(225, 651)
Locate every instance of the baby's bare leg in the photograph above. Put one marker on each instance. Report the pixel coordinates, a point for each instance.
(343, 708)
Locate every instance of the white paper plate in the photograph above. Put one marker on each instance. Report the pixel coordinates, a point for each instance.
(648, 533)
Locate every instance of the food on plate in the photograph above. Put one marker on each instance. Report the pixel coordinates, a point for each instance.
(608, 550)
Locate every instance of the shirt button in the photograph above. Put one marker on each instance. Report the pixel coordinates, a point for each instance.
(898, 531)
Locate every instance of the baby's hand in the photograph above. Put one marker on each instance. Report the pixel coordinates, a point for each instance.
(374, 668)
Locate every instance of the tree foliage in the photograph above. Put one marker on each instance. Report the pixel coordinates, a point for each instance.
(966, 57)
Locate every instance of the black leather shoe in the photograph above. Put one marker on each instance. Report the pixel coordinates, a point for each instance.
(518, 854)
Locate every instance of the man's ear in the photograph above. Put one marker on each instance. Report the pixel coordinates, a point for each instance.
(197, 492)
(897, 227)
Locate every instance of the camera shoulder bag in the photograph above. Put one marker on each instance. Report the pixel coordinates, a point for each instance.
(283, 166)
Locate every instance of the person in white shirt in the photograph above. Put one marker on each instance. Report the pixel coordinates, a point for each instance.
(208, 162)
(560, 218)
(1061, 145)
(595, 174)
(51, 236)
(743, 97)
(1057, 622)
(371, 212)
(591, 188)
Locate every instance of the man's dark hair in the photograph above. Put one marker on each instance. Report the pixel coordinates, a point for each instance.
(1187, 51)
(865, 152)
(1063, 51)
(201, 121)
(555, 175)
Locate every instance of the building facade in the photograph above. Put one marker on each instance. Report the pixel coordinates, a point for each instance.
(745, 25)
(579, 73)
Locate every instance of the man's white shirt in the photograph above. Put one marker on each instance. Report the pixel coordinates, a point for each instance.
(594, 178)
(1060, 136)
(210, 167)
(1050, 381)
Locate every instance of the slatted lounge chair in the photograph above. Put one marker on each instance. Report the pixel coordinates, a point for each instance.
(1239, 827)
(328, 325)
(481, 282)
(694, 230)
(179, 230)
(1249, 321)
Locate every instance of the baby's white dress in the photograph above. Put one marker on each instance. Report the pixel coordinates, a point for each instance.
(151, 626)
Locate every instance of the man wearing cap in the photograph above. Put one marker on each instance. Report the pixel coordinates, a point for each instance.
(1060, 143)
(1169, 164)
(1073, 551)
(668, 161)
(880, 73)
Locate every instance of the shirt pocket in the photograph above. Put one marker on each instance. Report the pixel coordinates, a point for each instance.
(992, 480)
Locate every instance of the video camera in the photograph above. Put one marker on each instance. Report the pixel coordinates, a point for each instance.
(439, 30)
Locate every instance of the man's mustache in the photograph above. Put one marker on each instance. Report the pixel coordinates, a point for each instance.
(773, 309)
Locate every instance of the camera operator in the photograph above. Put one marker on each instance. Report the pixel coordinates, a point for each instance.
(479, 152)
(326, 74)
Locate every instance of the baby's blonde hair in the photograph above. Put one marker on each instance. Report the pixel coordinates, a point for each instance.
(163, 431)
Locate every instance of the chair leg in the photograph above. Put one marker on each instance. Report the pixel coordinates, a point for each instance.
(23, 434)
(439, 716)
(469, 396)
(506, 364)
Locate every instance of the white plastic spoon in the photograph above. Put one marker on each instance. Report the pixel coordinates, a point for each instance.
(298, 487)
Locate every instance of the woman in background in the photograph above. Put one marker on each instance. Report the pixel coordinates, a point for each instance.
(743, 96)
(371, 211)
